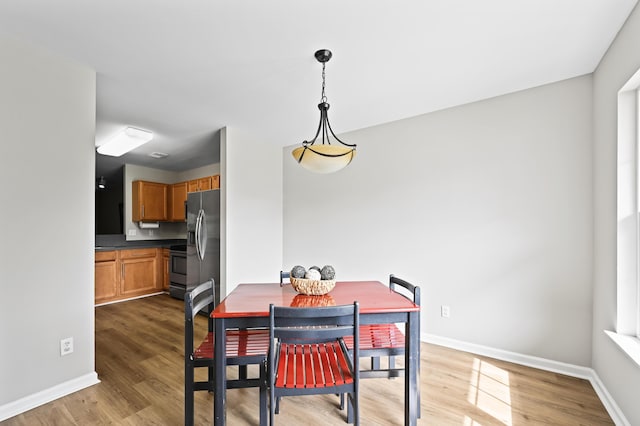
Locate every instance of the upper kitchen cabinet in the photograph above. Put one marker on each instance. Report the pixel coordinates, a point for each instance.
(177, 199)
(204, 183)
(149, 201)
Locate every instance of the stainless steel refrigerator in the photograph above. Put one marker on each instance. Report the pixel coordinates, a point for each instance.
(203, 239)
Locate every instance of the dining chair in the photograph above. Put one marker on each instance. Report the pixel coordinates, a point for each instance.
(386, 340)
(284, 275)
(308, 355)
(243, 348)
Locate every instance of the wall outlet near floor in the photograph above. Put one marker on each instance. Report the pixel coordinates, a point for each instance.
(66, 346)
(445, 311)
(132, 232)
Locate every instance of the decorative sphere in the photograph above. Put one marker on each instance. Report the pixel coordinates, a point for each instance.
(298, 271)
(312, 274)
(327, 272)
(315, 268)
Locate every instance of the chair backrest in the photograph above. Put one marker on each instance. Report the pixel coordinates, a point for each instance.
(313, 325)
(414, 290)
(201, 298)
(284, 275)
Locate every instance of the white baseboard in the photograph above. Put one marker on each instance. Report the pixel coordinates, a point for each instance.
(39, 398)
(541, 363)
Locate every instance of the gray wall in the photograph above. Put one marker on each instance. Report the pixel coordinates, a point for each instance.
(487, 206)
(47, 126)
(619, 374)
(251, 191)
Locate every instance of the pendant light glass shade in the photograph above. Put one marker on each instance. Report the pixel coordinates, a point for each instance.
(324, 157)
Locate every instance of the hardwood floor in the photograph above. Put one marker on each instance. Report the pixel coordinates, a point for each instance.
(140, 363)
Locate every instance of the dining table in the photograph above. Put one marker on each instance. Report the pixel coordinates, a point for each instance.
(247, 306)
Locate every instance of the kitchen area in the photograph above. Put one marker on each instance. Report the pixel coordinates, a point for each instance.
(157, 231)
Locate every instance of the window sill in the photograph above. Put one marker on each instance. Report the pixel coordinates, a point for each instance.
(630, 345)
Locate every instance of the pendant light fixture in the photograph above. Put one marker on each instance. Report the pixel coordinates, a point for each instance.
(101, 183)
(324, 157)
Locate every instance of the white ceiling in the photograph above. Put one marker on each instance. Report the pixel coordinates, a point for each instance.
(185, 69)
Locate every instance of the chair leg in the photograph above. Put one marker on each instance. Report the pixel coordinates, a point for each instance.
(211, 377)
(353, 411)
(375, 363)
(188, 395)
(341, 401)
(242, 372)
(277, 409)
(263, 394)
(392, 363)
(272, 406)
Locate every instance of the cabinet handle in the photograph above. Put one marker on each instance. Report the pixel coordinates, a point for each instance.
(122, 271)
(143, 210)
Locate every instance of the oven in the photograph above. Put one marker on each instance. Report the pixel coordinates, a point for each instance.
(178, 271)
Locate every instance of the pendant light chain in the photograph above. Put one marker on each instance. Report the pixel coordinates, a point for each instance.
(324, 97)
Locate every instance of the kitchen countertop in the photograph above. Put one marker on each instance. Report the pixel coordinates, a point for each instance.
(118, 242)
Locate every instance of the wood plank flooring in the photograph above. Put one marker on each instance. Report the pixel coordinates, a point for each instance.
(139, 360)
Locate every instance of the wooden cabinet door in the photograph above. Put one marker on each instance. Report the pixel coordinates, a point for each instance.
(177, 198)
(106, 277)
(139, 272)
(204, 183)
(165, 269)
(192, 185)
(149, 201)
(215, 182)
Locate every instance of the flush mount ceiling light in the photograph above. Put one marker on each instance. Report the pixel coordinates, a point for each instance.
(324, 157)
(123, 142)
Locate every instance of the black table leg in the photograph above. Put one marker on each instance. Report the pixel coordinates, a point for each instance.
(220, 393)
(412, 365)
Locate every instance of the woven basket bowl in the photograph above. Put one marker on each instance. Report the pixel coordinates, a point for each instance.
(312, 287)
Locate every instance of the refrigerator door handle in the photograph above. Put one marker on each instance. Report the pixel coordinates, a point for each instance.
(203, 234)
(198, 234)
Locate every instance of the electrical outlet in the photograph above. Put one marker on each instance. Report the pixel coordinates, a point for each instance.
(66, 346)
(445, 311)
(151, 232)
(132, 232)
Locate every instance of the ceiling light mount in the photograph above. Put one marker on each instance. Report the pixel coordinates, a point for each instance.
(124, 141)
(324, 157)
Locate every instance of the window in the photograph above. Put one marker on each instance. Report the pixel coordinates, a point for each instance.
(627, 333)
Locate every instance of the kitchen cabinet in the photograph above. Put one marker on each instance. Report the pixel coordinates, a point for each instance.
(165, 269)
(215, 182)
(204, 183)
(122, 274)
(139, 272)
(149, 201)
(177, 198)
(106, 276)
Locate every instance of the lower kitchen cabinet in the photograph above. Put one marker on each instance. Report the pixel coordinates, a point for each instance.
(107, 276)
(139, 272)
(165, 269)
(122, 274)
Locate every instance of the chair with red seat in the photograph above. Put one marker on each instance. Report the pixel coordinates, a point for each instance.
(379, 340)
(243, 347)
(308, 355)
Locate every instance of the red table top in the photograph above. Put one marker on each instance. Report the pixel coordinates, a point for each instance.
(252, 300)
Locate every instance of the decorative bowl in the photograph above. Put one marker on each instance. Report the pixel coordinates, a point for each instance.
(312, 287)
